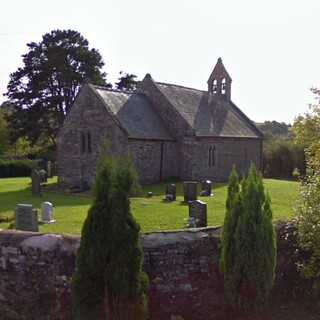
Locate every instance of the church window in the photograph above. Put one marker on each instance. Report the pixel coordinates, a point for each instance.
(89, 141)
(83, 143)
(211, 156)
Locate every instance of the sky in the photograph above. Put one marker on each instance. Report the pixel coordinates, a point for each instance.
(271, 49)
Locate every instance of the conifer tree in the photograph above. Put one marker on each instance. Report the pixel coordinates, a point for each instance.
(108, 282)
(248, 244)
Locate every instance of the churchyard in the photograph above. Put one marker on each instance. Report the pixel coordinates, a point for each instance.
(153, 213)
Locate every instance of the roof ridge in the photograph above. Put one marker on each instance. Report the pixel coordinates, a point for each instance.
(112, 89)
(179, 86)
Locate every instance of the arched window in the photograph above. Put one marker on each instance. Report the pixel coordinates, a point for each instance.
(211, 156)
(215, 86)
(223, 86)
(89, 141)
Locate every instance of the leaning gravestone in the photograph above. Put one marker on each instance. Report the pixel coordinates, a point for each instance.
(171, 189)
(25, 218)
(49, 169)
(198, 210)
(189, 191)
(35, 183)
(47, 212)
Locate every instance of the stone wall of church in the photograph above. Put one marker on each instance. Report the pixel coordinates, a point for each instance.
(225, 153)
(154, 160)
(78, 153)
(182, 265)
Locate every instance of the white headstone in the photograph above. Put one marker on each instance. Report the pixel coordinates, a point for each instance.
(47, 212)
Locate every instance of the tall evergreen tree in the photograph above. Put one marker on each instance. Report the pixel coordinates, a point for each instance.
(42, 91)
(108, 282)
(248, 244)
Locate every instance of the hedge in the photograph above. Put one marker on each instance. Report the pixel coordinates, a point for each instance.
(17, 168)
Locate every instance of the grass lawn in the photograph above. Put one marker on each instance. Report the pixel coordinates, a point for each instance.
(153, 214)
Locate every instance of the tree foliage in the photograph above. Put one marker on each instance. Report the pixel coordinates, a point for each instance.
(108, 280)
(282, 155)
(307, 127)
(127, 82)
(42, 91)
(18, 148)
(307, 205)
(248, 244)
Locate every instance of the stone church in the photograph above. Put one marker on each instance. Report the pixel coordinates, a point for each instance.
(171, 131)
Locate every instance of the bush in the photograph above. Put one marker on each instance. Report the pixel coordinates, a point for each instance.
(16, 168)
(248, 244)
(108, 282)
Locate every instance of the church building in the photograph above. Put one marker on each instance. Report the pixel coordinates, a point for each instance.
(172, 132)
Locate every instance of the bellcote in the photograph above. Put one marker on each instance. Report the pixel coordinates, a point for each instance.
(219, 81)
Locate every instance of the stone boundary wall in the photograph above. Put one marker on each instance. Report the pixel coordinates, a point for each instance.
(183, 267)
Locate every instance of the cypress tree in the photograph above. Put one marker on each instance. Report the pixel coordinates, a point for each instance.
(108, 281)
(248, 245)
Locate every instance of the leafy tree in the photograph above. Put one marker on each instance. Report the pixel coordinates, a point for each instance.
(307, 205)
(42, 91)
(108, 282)
(248, 244)
(307, 127)
(127, 82)
(307, 208)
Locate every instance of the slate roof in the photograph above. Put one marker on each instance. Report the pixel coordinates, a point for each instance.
(209, 114)
(134, 113)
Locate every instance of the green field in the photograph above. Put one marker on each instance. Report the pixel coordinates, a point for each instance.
(153, 214)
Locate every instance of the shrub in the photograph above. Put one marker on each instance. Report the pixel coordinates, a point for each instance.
(108, 281)
(248, 244)
(16, 168)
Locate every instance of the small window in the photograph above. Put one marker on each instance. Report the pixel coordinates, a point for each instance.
(245, 155)
(211, 159)
(89, 141)
(83, 143)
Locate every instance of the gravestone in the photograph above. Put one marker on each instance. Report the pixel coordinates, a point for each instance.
(189, 191)
(43, 176)
(206, 188)
(47, 212)
(171, 191)
(26, 218)
(49, 169)
(35, 183)
(198, 210)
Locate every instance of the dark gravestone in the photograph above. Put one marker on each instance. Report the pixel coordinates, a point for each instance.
(55, 168)
(35, 183)
(198, 211)
(171, 189)
(206, 188)
(189, 191)
(25, 218)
